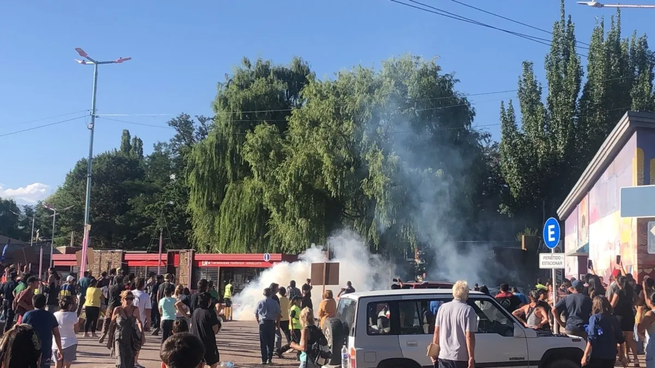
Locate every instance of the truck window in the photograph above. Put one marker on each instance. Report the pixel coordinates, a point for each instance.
(378, 317)
(346, 314)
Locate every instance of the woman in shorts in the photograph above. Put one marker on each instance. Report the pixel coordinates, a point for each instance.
(67, 319)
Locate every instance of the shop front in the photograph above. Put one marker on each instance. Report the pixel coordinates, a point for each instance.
(219, 268)
(240, 268)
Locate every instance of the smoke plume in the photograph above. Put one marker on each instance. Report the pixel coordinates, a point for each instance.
(366, 272)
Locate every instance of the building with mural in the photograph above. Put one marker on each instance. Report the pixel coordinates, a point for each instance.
(593, 227)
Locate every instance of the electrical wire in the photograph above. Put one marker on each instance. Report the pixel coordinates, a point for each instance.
(41, 126)
(52, 117)
(104, 116)
(437, 11)
(510, 19)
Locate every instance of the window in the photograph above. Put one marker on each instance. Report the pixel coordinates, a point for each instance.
(378, 316)
(491, 318)
(346, 312)
(411, 319)
(207, 273)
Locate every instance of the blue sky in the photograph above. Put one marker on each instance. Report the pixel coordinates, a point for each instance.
(181, 49)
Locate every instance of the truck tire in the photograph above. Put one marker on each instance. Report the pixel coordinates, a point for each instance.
(563, 363)
(334, 334)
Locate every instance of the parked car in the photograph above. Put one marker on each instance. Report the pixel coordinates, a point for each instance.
(393, 328)
(423, 284)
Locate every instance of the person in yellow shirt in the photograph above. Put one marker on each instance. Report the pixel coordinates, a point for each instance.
(284, 320)
(227, 297)
(92, 307)
(294, 322)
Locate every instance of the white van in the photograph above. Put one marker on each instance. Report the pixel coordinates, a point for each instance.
(393, 328)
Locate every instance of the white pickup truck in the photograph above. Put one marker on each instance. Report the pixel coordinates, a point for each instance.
(393, 328)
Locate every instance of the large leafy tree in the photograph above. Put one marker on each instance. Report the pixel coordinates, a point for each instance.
(544, 154)
(10, 220)
(389, 153)
(228, 213)
(118, 181)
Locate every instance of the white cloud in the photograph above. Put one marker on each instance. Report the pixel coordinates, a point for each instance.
(29, 194)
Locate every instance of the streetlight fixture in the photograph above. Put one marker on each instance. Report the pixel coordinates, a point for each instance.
(52, 241)
(33, 217)
(87, 60)
(596, 4)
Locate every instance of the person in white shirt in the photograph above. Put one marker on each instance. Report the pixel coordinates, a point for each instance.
(67, 319)
(454, 331)
(142, 301)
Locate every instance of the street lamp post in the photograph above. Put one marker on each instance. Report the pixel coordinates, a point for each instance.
(31, 233)
(596, 4)
(90, 61)
(52, 241)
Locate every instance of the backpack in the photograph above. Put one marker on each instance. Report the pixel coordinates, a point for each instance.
(319, 350)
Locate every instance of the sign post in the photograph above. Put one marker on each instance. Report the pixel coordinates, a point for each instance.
(551, 234)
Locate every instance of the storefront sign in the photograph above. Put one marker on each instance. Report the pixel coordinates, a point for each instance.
(233, 264)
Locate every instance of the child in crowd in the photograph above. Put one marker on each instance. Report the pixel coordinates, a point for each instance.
(181, 325)
(182, 350)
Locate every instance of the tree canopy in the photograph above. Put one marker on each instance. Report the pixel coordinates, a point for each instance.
(391, 152)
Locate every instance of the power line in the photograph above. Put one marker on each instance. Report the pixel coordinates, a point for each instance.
(291, 109)
(41, 126)
(51, 117)
(510, 19)
(437, 11)
(135, 123)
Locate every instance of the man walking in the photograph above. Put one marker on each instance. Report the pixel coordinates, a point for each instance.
(227, 298)
(7, 291)
(293, 290)
(114, 300)
(83, 284)
(155, 283)
(45, 325)
(167, 284)
(453, 342)
(576, 307)
(268, 318)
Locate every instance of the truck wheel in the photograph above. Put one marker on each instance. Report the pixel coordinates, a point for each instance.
(563, 363)
(333, 331)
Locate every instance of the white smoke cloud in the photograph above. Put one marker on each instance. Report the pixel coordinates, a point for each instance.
(366, 272)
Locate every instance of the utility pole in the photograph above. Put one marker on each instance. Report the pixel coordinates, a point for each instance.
(596, 4)
(161, 245)
(90, 61)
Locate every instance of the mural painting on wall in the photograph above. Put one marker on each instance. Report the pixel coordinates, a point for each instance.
(610, 235)
(583, 226)
(645, 174)
(571, 244)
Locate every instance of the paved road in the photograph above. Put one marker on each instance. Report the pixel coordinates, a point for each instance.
(238, 342)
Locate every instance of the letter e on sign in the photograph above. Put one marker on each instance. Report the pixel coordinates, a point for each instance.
(551, 233)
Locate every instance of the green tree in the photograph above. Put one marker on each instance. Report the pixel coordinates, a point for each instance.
(126, 143)
(221, 197)
(543, 156)
(10, 220)
(379, 152)
(118, 182)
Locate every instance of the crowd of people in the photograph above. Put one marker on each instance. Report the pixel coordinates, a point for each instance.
(616, 319)
(289, 311)
(49, 314)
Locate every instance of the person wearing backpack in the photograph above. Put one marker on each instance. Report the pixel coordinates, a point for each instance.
(313, 346)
